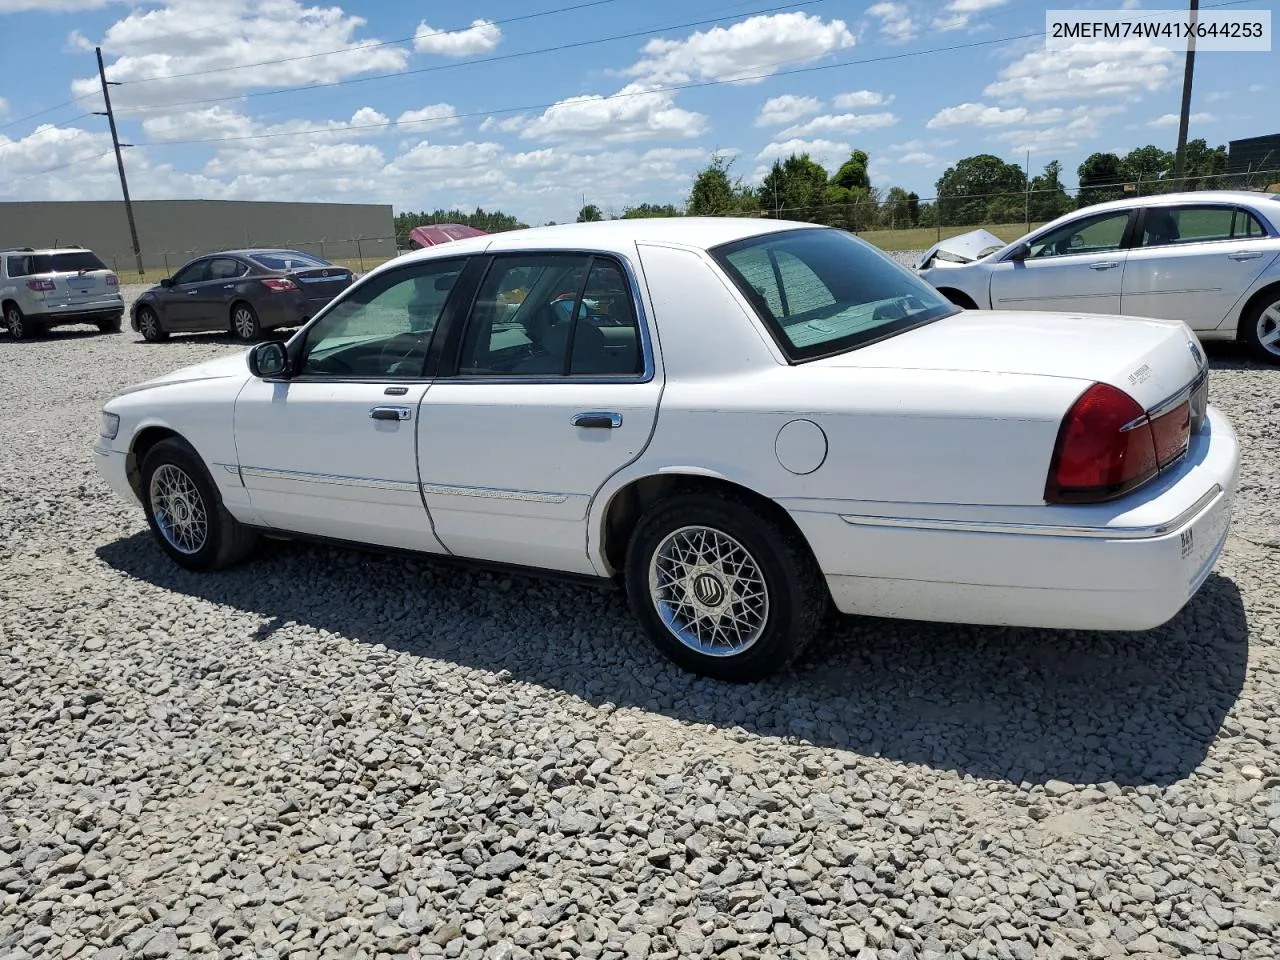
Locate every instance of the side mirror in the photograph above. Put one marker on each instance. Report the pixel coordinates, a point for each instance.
(1020, 252)
(269, 360)
(167, 282)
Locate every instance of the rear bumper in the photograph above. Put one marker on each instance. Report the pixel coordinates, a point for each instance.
(1129, 565)
(52, 316)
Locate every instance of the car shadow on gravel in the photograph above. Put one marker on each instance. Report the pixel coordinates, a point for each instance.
(1232, 355)
(995, 703)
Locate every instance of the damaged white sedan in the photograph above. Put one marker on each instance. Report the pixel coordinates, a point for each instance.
(744, 423)
(1210, 259)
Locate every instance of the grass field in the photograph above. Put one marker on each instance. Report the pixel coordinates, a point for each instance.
(916, 238)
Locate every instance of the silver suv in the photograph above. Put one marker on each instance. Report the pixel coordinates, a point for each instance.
(40, 289)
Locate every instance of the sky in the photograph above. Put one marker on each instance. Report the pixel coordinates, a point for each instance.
(532, 106)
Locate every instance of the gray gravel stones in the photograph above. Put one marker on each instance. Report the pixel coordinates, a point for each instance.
(326, 754)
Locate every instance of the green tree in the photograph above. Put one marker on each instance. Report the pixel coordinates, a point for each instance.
(1049, 199)
(979, 189)
(913, 207)
(794, 189)
(895, 212)
(1203, 165)
(1102, 178)
(651, 210)
(590, 214)
(1146, 167)
(853, 172)
(715, 194)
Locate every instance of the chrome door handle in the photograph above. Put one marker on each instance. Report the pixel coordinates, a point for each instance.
(1245, 255)
(608, 421)
(228, 286)
(1104, 265)
(192, 293)
(391, 413)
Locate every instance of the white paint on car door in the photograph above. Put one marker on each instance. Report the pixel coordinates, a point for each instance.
(1074, 267)
(1193, 263)
(556, 389)
(332, 451)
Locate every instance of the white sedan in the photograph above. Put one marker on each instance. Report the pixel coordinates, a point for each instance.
(1210, 259)
(743, 422)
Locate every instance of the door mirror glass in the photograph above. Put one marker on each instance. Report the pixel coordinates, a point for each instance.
(167, 282)
(268, 360)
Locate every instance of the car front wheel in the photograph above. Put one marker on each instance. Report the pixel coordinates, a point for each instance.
(1261, 328)
(149, 326)
(185, 512)
(722, 588)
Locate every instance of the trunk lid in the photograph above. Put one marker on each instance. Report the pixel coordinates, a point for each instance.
(322, 283)
(1151, 360)
(73, 278)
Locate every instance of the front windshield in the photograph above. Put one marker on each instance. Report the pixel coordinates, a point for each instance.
(824, 291)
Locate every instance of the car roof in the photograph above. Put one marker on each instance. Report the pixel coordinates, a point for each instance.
(252, 251)
(46, 250)
(1250, 197)
(611, 236)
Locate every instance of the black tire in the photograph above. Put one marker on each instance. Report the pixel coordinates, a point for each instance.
(150, 327)
(244, 323)
(959, 299)
(225, 541)
(1264, 315)
(798, 600)
(109, 325)
(16, 322)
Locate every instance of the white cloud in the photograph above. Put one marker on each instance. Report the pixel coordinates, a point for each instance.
(298, 135)
(920, 157)
(509, 125)
(1121, 69)
(233, 40)
(4, 107)
(1172, 119)
(786, 108)
(976, 115)
(860, 99)
(1256, 87)
(895, 21)
(1082, 127)
(52, 6)
(481, 37)
(447, 156)
(820, 150)
(960, 12)
(636, 112)
(746, 51)
(841, 123)
(438, 115)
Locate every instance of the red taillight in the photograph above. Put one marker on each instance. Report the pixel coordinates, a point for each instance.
(1172, 433)
(1105, 448)
(40, 285)
(113, 280)
(277, 285)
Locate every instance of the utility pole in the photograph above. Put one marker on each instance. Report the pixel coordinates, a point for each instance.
(1028, 196)
(1180, 157)
(115, 139)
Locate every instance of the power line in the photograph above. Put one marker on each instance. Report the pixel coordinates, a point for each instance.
(495, 59)
(41, 113)
(368, 46)
(61, 166)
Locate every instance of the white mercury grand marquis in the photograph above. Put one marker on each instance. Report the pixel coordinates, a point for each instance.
(743, 422)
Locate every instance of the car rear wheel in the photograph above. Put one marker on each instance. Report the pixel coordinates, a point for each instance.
(722, 589)
(185, 512)
(149, 326)
(20, 328)
(110, 325)
(244, 322)
(1261, 328)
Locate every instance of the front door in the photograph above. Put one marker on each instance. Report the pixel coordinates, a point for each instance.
(553, 390)
(179, 302)
(211, 305)
(1193, 263)
(331, 451)
(1075, 267)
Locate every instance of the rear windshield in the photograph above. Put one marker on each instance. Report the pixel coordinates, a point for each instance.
(72, 262)
(823, 291)
(289, 260)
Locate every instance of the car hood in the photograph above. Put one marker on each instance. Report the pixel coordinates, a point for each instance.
(234, 365)
(965, 248)
(1149, 359)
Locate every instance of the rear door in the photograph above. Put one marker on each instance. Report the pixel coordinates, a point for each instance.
(1078, 266)
(1194, 262)
(551, 389)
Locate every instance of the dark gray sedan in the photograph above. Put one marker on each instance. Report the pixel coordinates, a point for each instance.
(241, 291)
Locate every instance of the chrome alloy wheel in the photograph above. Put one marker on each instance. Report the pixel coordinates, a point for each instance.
(179, 509)
(148, 324)
(1269, 329)
(245, 324)
(709, 591)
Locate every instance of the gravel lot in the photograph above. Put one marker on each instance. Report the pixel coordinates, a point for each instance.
(331, 754)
